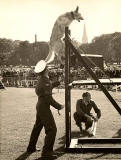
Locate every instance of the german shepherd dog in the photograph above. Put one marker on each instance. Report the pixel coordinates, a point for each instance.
(56, 44)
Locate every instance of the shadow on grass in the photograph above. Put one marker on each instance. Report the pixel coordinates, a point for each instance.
(23, 156)
(118, 134)
(77, 134)
(97, 156)
(59, 151)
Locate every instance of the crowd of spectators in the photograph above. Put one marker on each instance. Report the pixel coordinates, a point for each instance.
(23, 76)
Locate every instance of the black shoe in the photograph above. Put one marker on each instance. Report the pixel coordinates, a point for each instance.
(33, 150)
(80, 129)
(50, 155)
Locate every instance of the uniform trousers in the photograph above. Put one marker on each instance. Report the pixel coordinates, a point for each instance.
(79, 119)
(48, 122)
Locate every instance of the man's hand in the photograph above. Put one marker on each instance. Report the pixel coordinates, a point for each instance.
(62, 106)
(89, 118)
(93, 117)
(99, 114)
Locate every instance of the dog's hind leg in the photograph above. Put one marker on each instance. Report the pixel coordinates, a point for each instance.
(59, 49)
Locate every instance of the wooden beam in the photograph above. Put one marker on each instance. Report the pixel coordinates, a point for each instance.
(111, 81)
(67, 90)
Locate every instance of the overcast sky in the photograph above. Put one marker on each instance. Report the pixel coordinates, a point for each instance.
(22, 19)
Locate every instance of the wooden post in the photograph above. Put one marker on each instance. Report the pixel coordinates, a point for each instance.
(67, 90)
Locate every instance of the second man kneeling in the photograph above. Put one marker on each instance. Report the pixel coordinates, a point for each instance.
(83, 109)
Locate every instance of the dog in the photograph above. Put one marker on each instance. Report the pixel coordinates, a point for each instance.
(56, 44)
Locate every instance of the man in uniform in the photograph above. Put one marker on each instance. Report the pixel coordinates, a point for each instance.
(83, 108)
(44, 117)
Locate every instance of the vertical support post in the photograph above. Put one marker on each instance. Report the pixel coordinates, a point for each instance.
(69, 96)
(67, 90)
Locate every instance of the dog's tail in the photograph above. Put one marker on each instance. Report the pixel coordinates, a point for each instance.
(50, 57)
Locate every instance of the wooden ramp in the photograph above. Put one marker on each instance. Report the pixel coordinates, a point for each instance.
(112, 145)
(94, 144)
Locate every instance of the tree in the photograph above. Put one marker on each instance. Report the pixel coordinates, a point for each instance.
(99, 46)
(26, 53)
(115, 47)
(6, 49)
(105, 45)
(40, 51)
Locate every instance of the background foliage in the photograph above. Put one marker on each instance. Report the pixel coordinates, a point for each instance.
(26, 53)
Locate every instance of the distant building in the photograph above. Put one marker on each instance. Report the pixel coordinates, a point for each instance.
(94, 60)
(84, 36)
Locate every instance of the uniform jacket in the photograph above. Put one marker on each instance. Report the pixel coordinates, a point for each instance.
(84, 110)
(44, 92)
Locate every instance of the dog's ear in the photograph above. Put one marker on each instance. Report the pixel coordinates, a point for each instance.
(76, 10)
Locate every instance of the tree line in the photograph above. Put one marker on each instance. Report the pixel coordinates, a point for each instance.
(22, 52)
(25, 53)
(108, 45)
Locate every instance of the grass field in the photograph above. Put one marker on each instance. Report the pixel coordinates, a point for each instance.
(17, 112)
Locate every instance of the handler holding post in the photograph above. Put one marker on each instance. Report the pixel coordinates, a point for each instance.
(83, 108)
(44, 117)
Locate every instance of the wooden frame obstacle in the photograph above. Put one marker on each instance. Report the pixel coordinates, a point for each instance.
(78, 145)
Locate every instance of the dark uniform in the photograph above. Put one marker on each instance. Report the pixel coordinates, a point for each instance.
(82, 111)
(44, 115)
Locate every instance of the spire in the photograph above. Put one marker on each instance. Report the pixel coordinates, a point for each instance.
(84, 37)
(35, 38)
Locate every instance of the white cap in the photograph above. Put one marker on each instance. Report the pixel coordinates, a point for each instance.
(40, 66)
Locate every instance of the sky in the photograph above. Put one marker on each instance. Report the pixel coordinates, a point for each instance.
(22, 19)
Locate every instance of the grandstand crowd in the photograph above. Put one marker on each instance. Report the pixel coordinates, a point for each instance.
(23, 76)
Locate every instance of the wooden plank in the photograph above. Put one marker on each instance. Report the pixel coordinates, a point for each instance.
(74, 143)
(93, 150)
(94, 147)
(100, 140)
(112, 81)
(67, 90)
